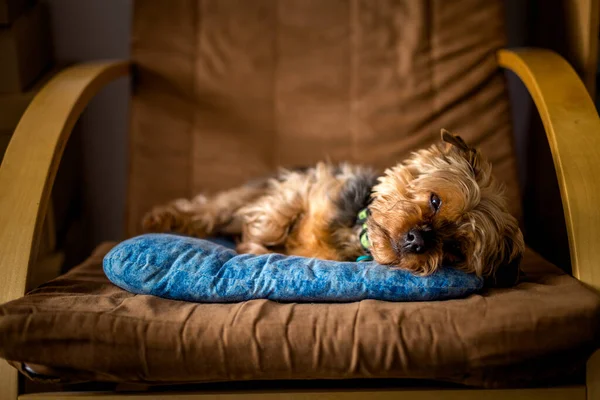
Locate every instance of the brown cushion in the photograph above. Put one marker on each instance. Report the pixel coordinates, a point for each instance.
(86, 328)
(227, 90)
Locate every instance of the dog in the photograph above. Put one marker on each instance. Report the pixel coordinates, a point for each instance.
(439, 207)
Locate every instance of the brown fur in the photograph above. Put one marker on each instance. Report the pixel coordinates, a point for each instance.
(295, 213)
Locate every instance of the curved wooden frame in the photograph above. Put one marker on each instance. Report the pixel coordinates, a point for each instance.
(32, 158)
(27, 174)
(573, 130)
(31, 161)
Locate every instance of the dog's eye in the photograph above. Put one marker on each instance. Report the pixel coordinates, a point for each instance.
(435, 201)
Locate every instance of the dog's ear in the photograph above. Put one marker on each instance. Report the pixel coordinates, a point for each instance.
(507, 261)
(469, 153)
(454, 140)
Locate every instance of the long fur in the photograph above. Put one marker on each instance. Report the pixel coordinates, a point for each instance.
(312, 212)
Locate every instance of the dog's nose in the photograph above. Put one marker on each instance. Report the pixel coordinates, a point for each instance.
(414, 241)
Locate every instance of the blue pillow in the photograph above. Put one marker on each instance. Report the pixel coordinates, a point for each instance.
(183, 268)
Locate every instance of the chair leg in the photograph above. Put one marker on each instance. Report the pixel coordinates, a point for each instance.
(9, 382)
(592, 379)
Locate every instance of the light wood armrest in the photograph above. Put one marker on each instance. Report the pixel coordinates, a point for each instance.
(573, 130)
(29, 167)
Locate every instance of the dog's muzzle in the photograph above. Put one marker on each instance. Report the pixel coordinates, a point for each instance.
(417, 240)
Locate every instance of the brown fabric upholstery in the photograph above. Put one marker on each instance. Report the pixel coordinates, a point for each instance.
(88, 328)
(227, 90)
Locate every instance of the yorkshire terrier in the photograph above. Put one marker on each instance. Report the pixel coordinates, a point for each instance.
(439, 207)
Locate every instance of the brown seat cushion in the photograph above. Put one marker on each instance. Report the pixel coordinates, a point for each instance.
(86, 328)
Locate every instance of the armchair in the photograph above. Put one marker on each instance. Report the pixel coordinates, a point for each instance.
(27, 174)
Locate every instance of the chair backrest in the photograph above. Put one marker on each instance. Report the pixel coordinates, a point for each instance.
(227, 90)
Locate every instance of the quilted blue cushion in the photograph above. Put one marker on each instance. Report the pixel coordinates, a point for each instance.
(184, 268)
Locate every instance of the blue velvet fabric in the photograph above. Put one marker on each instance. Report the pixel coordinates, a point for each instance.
(184, 268)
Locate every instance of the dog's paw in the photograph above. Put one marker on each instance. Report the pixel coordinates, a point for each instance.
(251, 248)
(202, 223)
(161, 219)
(182, 215)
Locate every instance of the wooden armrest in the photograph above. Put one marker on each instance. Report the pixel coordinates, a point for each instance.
(31, 160)
(573, 130)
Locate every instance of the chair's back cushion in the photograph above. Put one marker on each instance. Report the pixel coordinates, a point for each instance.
(227, 90)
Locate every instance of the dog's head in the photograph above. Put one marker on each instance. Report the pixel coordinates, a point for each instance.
(443, 207)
